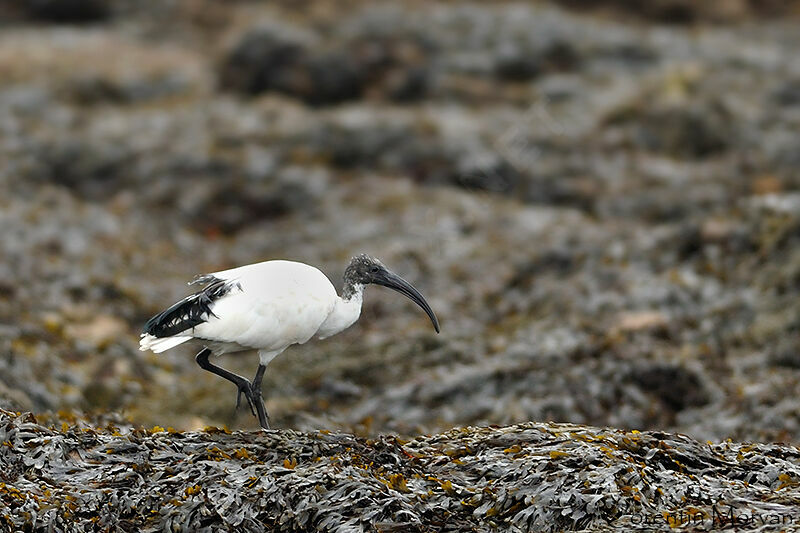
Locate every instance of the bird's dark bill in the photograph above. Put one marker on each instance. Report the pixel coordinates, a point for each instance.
(393, 281)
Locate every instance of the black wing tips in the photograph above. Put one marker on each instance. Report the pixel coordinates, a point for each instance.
(203, 279)
(192, 310)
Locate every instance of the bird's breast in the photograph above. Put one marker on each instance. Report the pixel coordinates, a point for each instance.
(343, 315)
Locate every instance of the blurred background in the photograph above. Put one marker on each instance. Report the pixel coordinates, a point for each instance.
(599, 198)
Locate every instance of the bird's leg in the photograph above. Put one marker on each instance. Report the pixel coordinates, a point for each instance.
(241, 383)
(263, 417)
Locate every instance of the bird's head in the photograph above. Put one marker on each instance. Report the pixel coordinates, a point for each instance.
(364, 269)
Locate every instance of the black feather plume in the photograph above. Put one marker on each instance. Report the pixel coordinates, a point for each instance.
(192, 310)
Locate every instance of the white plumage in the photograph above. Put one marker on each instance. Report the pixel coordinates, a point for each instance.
(268, 307)
(271, 306)
(149, 342)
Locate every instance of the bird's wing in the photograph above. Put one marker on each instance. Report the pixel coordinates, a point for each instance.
(280, 303)
(192, 310)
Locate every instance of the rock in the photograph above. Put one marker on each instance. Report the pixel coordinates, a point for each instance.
(516, 65)
(99, 331)
(70, 65)
(677, 387)
(14, 399)
(787, 94)
(692, 131)
(270, 59)
(407, 84)
(333, 77)
(487, 172)
(69, 11)
(229, 206)
(686, 11)
(91, 168)
(642, 320)
(267, 58)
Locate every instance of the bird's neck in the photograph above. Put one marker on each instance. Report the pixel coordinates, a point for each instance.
(345, 312)
(353, 295)
(351, 289)
(349, 306)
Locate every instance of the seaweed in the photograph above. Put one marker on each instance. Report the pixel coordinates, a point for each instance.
(528, 477)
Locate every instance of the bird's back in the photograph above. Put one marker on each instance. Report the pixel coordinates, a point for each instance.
(266, 306)
(280, 303)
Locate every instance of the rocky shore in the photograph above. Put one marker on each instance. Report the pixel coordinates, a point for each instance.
(603, 209)
(528, 477)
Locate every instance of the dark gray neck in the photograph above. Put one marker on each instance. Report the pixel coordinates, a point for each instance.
(351, 288)
(350, 281)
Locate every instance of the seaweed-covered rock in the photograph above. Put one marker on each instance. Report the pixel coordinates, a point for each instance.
(267, 58)
(686, 11)
(324, 71)
(69, 11)
(528, 477)
(604, 212)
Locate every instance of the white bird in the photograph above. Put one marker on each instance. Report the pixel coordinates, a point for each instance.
(268, 307)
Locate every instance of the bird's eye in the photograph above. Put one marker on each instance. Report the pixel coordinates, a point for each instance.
(374, 269)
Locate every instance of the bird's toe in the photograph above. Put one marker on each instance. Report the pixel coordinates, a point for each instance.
(247, 390)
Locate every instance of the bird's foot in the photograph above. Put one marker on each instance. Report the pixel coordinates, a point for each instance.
(262, 415)
(247, 389)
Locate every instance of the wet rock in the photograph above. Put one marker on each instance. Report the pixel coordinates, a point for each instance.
(788, 94)
(486, 172)
(230, 206)
(692, 131)
(632, 55)
(267, 58)
(21, 388)
(64, 65)
(407, 84)
(516, 65)
(685, 11)
(559, 261)
(14, 399)
(280, 60)
(69, 11)
(103, 90)
(676, 386)
(367, 145)
(786, 353)
(101, 396)
(90, 168)
(270, 59)
(333, 77)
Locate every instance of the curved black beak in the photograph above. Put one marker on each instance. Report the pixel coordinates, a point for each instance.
(393, 281)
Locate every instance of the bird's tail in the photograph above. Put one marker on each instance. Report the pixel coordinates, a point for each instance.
(160, 344)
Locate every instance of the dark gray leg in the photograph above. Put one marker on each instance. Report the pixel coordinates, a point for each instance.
(263, 417)
(241, 383)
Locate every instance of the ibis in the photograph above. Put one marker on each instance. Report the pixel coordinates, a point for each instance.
(268, 307)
